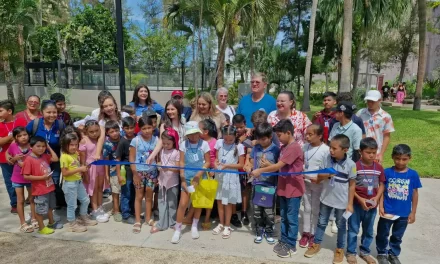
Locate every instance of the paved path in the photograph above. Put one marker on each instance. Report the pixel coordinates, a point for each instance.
(420, 242)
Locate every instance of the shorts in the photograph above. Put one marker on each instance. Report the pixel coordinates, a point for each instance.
(244, 184)
(21, 185)
(148, 179)
(114, 184)
(45, 202)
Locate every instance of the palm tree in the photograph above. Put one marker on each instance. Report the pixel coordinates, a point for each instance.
(306, 103)
(346, 47)
(422, 54)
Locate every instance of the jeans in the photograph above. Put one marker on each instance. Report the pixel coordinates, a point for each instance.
(324, 215)
(383, 231)
(289, 210)
(127, 199)
(7, 174)
(354, 224)
(73, 191)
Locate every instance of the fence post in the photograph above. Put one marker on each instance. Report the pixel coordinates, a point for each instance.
(53, 72)
(203, 75)
(81, 73)
(183, 75)
(44, 76)
(29, 74)
(157, 80)
(103, 72)
(66, 69)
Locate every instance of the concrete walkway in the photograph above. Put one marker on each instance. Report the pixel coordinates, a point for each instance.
(419, 246)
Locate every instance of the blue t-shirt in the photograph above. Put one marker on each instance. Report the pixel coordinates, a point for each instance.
(52, 135)
(247, 107)
(141, 108)
(109, 152)
(272, 153)
(399, 187)
(143, 151)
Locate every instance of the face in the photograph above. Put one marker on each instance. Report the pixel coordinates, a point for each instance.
(336, 151)
(311, 136)
(372, 105)
(143, 94)
(167, 144)
(33, 103)
(172, 112)
(339, 115)
(329, 102)
(178, 98)
(5, 113)
(147, 130)
(284, 104)
(93, 131)
(129, 131)
(193, 138)
(50, 113)
(204, 134)
(264, 141)
(222, 98)
(154, 121)
(229, 139)
(257, 84)
(284, 137)
(368, 155)
(401, 161)
(241, 128)
(39, 148)
(114, 133)
(22, 137)
(203, 106)
(109, 107)
(61, 106)
(73, 146)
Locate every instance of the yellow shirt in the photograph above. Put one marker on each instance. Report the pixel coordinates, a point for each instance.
(70, 162)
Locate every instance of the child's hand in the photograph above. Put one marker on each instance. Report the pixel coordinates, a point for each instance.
(256, 173)
(120, 180)
(137, 181)
(314, 180)
(379, 158)
(349, 208)
(264, 162)
(149, 160)
(411, 218)
(195, 181)
(184, 186)
(83, 168)
(249, 132)
(211, 174)
(364, 204)
(242, 138)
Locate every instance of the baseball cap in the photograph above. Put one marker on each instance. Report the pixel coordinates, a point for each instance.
(192, 127)
(373, 95)
(149, 112)
(177, 93)
(346, 107)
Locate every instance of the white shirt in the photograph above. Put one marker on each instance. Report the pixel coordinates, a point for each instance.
(95, 114)
(229, 110)
(240, 147)
(204, 147)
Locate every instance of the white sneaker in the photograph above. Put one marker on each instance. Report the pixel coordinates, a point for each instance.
(334, 227)
(176, 237)
(102, 212)
(195, 233)
(27, 218)
(100, 218)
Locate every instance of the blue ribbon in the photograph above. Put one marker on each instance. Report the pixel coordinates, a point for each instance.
(114, 162)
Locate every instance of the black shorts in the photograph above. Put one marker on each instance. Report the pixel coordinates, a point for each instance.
(385, 95)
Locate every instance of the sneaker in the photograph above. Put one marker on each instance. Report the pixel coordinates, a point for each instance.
(269, 239)
(102, 212)
(286, 251)
(338, 257)
(85, 220)
(304, 241)
(278, 247)
(311, 239)
(351, 259)
(130, 220)
(14, 210)
(99, 217)
(195, 232)
(334, 227)
(217, 230)
(117, 217)
(259, 236)
(244, 218)
(75, 227)
(46, 231)
(176, 237)
(56, 216)
(227, 232)
(235, 221)
(393, 259)
(55, 225)
(382, 259)
(368, 258)
(312, 250)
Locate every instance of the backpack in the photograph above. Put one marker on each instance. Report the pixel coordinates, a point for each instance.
(61, 126)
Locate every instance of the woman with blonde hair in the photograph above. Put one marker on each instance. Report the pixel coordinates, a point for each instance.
(206, 109)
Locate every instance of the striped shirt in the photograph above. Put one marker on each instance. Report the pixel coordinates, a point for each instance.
(368, 177)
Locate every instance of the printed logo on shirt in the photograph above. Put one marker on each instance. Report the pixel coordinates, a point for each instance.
(398, 189)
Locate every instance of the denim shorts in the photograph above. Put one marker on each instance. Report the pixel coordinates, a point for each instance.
(147, 179)
(45, 202)
(21, 185)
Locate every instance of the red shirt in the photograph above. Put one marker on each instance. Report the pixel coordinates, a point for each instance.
(324, 119)
(25, 116)
(5, 130)
(38, 167)
(65, 117)
(292, 185)
(368, 177)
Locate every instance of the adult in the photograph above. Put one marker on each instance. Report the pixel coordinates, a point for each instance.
(326, 115)
(378, 123)
(32, 110)
(386, 91)
(401, 93)
(222, 99)
(142, 101)
(186, 110)
(347, 97)
(257, 100)
(206, 109)
(286, 110)
(6, 127)
(101, 95)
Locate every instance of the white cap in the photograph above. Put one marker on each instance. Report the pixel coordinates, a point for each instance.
(373, 95)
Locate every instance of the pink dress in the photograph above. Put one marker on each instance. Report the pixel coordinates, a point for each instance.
(13, 151)
(94, 171)
(213, 152)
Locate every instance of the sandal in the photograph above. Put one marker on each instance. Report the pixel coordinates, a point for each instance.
(218, 229)
(34, 223)
(137, 228)
(25, 228)
(206, 226)
(150, 223)
(226, 233)
(154, 229)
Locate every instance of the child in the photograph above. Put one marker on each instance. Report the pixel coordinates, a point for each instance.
(16, 153)
(290, 187)
(145, 176)
(109, 153)
(36, 168)
(123, 154)
(194, 153)
(398, 205)
(129, 109)
(228, 119)
(168, 181)
(264, 153)
(94, 177)
(337, 194)
(150, 113)
(315, 151)
(230, 156)
(60, 103)
(369, 188)
(73, 186)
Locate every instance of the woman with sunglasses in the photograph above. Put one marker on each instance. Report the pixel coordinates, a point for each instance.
(32, 110)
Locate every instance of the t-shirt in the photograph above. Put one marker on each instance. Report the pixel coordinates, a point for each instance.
(70, 162)
(368, 177)
(65, 117)
(324, 119)
(271, 153)
(355, 120)
(6, 129)
(13, 151)
(52, 135)
(247, 107)
(299, 120)
(292, 185)
(39, 166)
(123, 154)
(352, 131)
(109, 152)
(24, 115)
(212, 151)
(229, 110)
(314, 158)
(95, 114)
(204, 146)
(221, 144)
(335, 191)
(169, 178)
(123, 115)
(399, 188)
(144, 149)
(141, 108)
(386, 89)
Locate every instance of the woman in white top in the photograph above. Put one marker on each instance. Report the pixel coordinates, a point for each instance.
(222, 99)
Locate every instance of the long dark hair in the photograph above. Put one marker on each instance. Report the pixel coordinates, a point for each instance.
(66, 139)
(136, 99)
(232, 131)
(165, 119)
(209, 124)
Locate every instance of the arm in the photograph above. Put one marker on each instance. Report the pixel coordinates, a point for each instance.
(351, 192)
(381, 209)
(386, 142)
(35, 178)
(200, 173)
(236, 166)
(379, 192)
(158, 147)
(6, 140)
(53, 155)
(132, 158)
(272, 168)
(66, 172)
(415, 201)
(182, 172)
(100, 143)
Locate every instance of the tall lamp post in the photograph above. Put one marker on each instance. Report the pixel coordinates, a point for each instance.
(120, 47)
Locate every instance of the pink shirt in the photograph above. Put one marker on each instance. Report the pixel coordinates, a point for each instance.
(292, 185)
(13, 151)
(212, 152)
(168, 178)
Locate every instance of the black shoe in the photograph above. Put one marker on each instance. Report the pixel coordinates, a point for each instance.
(382, 259)
(244, 218)
(393, 259)
(235, 221)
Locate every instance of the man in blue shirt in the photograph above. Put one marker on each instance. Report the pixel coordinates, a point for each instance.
(257, 100)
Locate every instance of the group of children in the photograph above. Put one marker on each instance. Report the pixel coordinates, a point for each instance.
(274, 179)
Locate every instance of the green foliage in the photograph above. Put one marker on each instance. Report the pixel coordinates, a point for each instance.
(190, 93)
(233, 94)
(431, 88)
(52, 88)
(46, 38)
(136, 78)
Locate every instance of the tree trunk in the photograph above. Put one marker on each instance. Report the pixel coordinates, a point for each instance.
(251, 36)
(326, 81)
(346, 46)
(307, 75)
(403, 60)
(422, 55)
(20, 68)
(8, 77)
(339, 74)
(357, 64)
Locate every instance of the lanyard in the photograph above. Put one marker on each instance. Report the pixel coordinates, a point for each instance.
(48, 132)
(192, 149)
(365, 174)
(223, 149)
(162, 158)
(7, 128)
(307, 152)
(147, 149)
